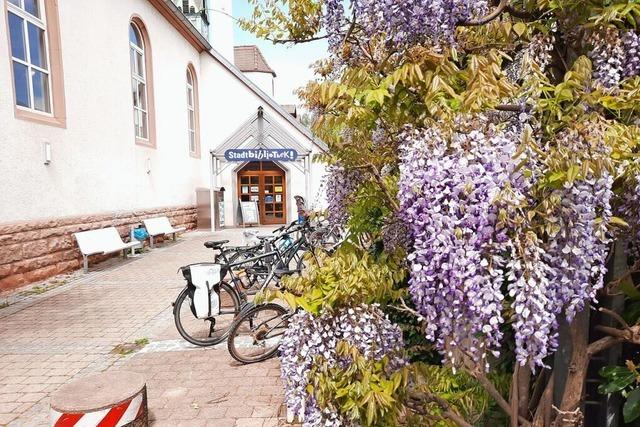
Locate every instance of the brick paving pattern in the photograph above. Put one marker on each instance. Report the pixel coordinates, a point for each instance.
(47, 340)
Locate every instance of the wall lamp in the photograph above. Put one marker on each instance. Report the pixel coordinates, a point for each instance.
(46, 149)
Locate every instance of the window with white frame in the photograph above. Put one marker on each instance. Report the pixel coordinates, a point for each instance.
(191, 110)
(29, 55)
(138, 82)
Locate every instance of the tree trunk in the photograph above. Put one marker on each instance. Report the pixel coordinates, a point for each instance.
(570, 411)
(524, 383)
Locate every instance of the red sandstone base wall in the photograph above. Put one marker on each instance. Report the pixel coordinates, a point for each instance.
(36, 250)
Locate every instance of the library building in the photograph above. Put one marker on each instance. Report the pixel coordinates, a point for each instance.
(148, 109)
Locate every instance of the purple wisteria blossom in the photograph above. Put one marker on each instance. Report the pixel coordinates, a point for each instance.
(365, 327)
(447, 190)
(341, 187)
(396, 234)
(631, 47)
(577, 252)
(459, 194)
(607, 56)
(402, 23)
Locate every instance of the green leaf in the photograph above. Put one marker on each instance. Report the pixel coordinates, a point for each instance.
(618, 221)
(557, 176)
(572, 173)
(612, 372)
(627, 287)
(519, 28)
(631, 408)
(618, 384)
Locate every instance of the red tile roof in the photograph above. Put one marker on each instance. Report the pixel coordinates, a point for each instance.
(249, 59)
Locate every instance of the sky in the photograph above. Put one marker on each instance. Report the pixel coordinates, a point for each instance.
(291, 63)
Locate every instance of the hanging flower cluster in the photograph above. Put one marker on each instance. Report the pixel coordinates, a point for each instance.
(447, 190)
(534, 324)
(577, 252)
(342, 184)
(629, 206)
(396, 234)
(615, 56)
(365, 327)
(631, 47)
(461, 194)
(402, 23)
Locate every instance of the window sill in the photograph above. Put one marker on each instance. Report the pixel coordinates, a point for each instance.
(149, 143)
(42, 119)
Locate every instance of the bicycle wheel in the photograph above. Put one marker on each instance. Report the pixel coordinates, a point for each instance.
(255, 335)
(211, 331)
(304, 261)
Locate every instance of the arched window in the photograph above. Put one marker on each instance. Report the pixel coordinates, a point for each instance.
(37, 74)
(193, 125)
(141, 84)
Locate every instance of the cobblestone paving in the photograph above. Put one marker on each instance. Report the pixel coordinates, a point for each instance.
(47, 340)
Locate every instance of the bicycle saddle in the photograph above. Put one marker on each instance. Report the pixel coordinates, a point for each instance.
(264, 237)
(215, 244)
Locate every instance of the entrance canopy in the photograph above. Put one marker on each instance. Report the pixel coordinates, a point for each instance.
(259, 131)
(262, 141)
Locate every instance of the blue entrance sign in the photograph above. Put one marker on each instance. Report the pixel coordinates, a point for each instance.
(261, 154)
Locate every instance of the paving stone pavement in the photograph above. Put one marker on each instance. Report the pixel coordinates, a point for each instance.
(49, 339)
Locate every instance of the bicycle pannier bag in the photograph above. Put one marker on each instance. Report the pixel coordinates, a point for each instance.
(206, 299)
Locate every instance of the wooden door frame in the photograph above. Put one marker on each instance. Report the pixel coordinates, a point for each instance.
(261, 174)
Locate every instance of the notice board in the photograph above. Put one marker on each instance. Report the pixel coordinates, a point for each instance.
(250, 214)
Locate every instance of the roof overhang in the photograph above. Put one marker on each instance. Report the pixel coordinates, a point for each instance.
(260, 131)
(181, 23)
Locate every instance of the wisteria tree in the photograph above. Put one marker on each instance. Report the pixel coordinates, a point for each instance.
(489, 149)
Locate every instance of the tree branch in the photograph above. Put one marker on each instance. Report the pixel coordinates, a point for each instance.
(616, 336)
(296, 41)
(392, 202)
(615, 315)
(352, 27)
(447, 412)
(493, 392)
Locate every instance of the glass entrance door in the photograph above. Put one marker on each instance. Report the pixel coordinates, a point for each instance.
(264, 182)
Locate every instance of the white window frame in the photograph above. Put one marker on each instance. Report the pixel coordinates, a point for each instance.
(42, 24)
(191, 111)
(140, 79)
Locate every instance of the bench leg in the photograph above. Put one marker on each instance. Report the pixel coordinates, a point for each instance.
(151, 241)
(124, 253)
(85, 263)
(174, 236)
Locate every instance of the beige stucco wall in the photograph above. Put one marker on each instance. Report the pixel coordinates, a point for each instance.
(227, 104)
(264, 81)
(96, 165)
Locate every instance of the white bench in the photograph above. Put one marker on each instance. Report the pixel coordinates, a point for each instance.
(102, 241)
(159, 227)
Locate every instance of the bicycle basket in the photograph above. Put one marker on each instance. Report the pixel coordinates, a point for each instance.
(205, 285)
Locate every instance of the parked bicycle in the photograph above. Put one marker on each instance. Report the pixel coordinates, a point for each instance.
(255, 334)
(216, 293)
